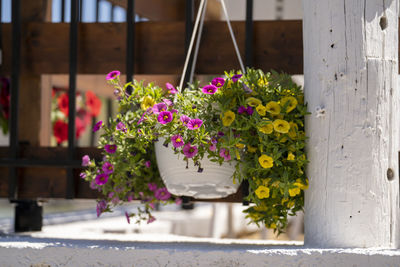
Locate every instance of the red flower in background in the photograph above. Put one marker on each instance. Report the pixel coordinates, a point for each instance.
(93, 103)
(63, 103)
(80, 127)
(5, 97)
(60, 130)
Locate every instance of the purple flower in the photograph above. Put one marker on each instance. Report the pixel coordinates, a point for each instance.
(168, 102)
(107, 168)
(121, 127)
(142, 118)
(247, 89)
(147, 164)
(157, 108)
(249, 110)
(162, 194)
(177, 140)
(194, 124)
(236, 77)
(171, 89)
(101, 207)
(152, 206)
(218, 82)
(224, 153)
(221, 134)
(242, 110)
(174, 111)
(97, 126)
(209, 89)
(127, 217)
(152, 186)
(101, 178)
(212, 147)
(184, 119)
(85, 161)
(82, 175)
(110, 148)
(164, 117)
(150, 219)
(190, 151)
(112, 75)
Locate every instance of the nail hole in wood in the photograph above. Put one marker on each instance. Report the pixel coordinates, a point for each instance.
(383, 22)
(390, 174)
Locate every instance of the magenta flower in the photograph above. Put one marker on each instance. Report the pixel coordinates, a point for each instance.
(82, 175)
(212, 147)
(147, 164)
(164, 117)
(152, 206)
(177, 141)
(101, 178)
(218, 82)
(221, 134)
(101, 207)
(107, 168)
(110, 148)
(157, 108)
(249, 110)
(168, 102)
(150, 219)
(121, 127)
(194, 124)
(97, 126)
(152, 186)
(174, 111)
(112, 75)
(190, 151)
(224, 153)
(85, 161)
(236, 77)
(209, 89)
(127, 217)
(184, 119)
(242, 110)
(162, 194)
(171, 89)
(178, 201)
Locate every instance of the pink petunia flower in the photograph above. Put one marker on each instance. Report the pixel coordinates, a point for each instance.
(178, 201)
(224, 153)
(152, 186)
(209, 89)
(121, 127)
(171, 89)
(157, 108)
(177, 141)
(151, 219)
(85, 161)
(101, 178)
(194, 124)
(147, 164)
(167, 102)
(164, 117)
(113, 75)
(110, 148)
(212, 147)
(82, 175)
(184, 119)
(98, 126)
(190, 151)
(152, 206)
(107, 168)
(162, 194)
(218, 82)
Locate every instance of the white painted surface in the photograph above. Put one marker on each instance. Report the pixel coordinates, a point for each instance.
(27, 251)
(351, 71)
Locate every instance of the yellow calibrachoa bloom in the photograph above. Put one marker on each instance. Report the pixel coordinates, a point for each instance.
(272, 226)
(261, 110)
(228, 118)
(266, 161)
(262, 82)
(253, 102)
(293, 129)
(300, 185)
(281, 126)
(251, 149)
(267, 129)
(147, 102)
(291, 105)
(290, 156)
(240, 145)
(294, 191)
(273, 108)
(262, 192)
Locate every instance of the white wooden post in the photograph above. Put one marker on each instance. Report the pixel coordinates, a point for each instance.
(351, 73)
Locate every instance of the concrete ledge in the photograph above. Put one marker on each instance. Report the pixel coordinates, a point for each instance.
(28, 251)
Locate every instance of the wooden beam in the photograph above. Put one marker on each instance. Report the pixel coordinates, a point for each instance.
(159, 47)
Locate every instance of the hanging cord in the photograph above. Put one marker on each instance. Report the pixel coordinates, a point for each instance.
(233, 36)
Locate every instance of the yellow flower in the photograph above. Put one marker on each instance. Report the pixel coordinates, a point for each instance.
(251, 149)
(240, 145)
(229, 84)
(290, 156)
(147, 102)
(228, 118)
(267, 129)
(262, 82)
(273, 108)
(262, 192)
(294, 191)
(290, 204)
(237, 154)
(266, 161)
(272, 226)
(290, 101)
(261, 110)
(253, 102)
(300, 185)
(293, 130)
(281, 126)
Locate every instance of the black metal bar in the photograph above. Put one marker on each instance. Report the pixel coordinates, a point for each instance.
(109, 109)
(112, 13)
(189, 15)
(245, 192)
(80, 11)
(73, 58)
(92, 133)
(1, 34)
(62, 10)
(97, 10)
(16, 56)
(249, 34)
(130, 40)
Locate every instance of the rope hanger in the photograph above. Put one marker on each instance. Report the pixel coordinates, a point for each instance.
(199, 26)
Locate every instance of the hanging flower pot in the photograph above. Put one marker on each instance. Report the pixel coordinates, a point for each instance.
(183, 178)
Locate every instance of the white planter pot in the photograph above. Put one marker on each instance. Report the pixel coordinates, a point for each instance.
(214, 182)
